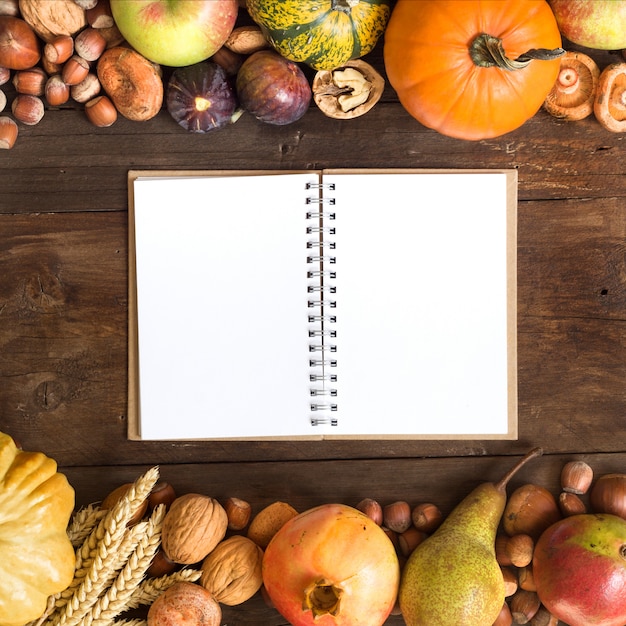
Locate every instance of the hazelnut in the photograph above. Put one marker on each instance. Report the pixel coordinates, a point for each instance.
(5, 75)
(86, 4)
(526, 578)
(10, 7)
(162, 493)
(8, 132)
(509, 575)
(238, 512)
(3, 100)
(27, 109)
(31, 81)
(59, 49)
(57, 92)
(116, 495)
(524, 605)
(608, 495)
(504, 617)
(161, 565)
(501, 553)
(426, 516)
(410, 539)
(544, 618)
(576, 477)
(100, 16)
(228, 60)
(87, 89)
(571, 504)
(90, 44)
(397, 516)
(348, 91)
(50, 67)
(101, 111)
(530, 510)
(75, 70)
(372, 509)
(519, 548)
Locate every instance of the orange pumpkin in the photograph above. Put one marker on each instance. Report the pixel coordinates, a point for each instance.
(472, 69)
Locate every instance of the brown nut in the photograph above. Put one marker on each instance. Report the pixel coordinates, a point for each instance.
(608, 495)
(246, 40)
(5, 75)
(576, 477)
(524, 605)
(410, 539)
(162, 493)
(8, 132)
(75, 70)
(49, 19)
(87, 89)
(3, 100)
(192, 527)
(397, 516)
(27, 109)
(504, 617)
(530, 510)
(511, 583)
(519, 548)
(59, 49)
(268, 521)
(571, 504)
(348, 91)
(90, 44)
(185, 603)
(31, 81)
(56, 91)
(426, 516)
(372, 509)
(100, 16)
(232, 571)
(116, 495)
(239, 513)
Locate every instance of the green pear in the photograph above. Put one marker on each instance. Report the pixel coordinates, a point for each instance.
(453, 578)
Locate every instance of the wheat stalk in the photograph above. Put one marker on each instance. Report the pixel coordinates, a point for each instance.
(97, 557)
(83, 522)
(151, 588)
(115, 600)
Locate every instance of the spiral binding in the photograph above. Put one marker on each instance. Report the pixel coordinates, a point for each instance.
(322, 379)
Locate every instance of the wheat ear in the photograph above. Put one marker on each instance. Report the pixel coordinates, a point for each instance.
(99, 551)
(115, 600)
(151, 588)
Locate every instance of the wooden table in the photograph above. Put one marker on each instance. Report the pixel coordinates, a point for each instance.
(63, 307)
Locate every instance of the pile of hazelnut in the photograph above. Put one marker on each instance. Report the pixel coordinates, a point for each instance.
(54, 68)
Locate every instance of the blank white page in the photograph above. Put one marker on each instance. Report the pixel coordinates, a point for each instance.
(222, 306)
(425, 329)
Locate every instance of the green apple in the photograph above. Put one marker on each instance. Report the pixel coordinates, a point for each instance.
(175, 32)
(597, 24)
(579, 567)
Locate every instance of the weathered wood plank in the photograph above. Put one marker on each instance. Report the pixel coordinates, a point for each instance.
(63, 306)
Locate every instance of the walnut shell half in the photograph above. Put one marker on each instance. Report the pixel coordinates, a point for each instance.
(192, 527)
(348, 91)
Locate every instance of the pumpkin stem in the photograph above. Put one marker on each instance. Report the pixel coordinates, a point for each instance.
(322, 598)
(344, 5)
(488, 51)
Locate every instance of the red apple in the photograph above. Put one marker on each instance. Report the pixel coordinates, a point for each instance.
(175, 33)
(579, 567)
(598, 24)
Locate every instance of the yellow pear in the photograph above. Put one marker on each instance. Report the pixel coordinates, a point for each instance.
(453, 578)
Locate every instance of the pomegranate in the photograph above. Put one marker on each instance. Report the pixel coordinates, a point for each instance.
(332, 566)
(579, 567)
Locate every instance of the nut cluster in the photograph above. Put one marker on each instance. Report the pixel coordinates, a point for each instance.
(64, 72)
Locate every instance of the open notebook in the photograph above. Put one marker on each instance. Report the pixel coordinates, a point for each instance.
(323, 304)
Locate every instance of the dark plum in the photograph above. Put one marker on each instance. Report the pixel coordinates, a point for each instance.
(201, 97)
(272, 88)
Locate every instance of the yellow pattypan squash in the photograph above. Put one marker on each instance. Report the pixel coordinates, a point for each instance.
(36, 557)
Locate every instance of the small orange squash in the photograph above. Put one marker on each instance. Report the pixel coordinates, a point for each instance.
(472, 69)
